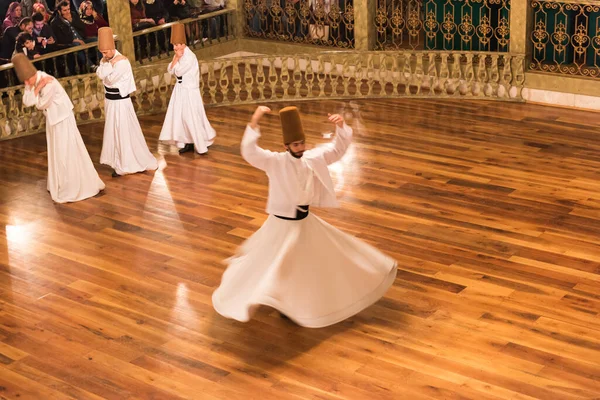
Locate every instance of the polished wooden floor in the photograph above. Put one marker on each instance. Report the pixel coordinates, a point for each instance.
(491, 209)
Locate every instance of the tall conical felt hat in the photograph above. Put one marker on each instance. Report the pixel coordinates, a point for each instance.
(291, 125)
(105, 39)
(178, 34)
(23, 67)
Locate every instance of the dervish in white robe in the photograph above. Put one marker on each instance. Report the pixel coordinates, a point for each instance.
(71, 173)
(186, 124)
(124, 146)
(311, 272)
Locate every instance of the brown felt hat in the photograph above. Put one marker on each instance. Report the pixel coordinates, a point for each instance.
(178, 34)
(23, 67)
(291, 125)
(105, 39)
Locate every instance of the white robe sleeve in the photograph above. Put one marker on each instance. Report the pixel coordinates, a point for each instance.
(335, 150)
(43, 100)
(104, 70)
(29, 97)
(47, 95)
(183, 66)
(112, 74)
(252, 153)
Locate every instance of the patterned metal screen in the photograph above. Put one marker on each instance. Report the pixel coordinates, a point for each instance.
(318, 22)
(466, 25)
(565, 38)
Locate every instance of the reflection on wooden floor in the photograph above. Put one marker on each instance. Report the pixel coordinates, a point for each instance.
(492, 211)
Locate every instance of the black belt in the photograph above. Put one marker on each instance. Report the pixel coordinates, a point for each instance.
(300, 214)
(113, 94)
(179, 78)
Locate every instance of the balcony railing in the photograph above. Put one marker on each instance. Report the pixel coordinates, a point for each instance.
(451, 25)
(565, 37)
(327, 23)
(150, 45)
(70, 61)
(205, 30)
(329, 75)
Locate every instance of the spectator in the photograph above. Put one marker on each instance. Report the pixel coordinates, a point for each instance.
(45, 42)
(215, 3)
(179, 9)
(38, 8)
(28, 9)
(13, 15)
(215, 24)
(92, 20)
(157, 10)
(139, 20)
(9, 39)
(67, 27)
(69, 31)
(99, 6)
(4, 9)
(26, 45)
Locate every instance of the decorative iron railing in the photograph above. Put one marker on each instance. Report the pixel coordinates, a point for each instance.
(318, 22)
(565, 37)
(261, 79)
(450, 25)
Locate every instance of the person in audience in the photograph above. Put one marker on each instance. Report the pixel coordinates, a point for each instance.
(139, 20)
(216, 25)
(178, 9)
(186, 123)
(99, 6)
(156, 10)
(45, 41)
(92, 20)
(215, 3)
(195, 7)
(39, 8)
(67, 26)
(69, 31)
(26, 45)
(28, 6)
(13, 15)
(9, 39)
(4, 4)
(71, 173)
(124, 147)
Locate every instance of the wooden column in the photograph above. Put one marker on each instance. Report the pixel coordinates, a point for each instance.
(518, 26)
(120, 22)
(364, 24)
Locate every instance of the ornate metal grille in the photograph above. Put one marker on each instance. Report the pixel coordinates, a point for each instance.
(565, 38)
(319, 22)
(466, 25)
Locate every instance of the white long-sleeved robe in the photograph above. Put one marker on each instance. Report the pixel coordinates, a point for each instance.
(71, 173)
(278, 167)
(124, 147)
(312, 272)
(186, 121)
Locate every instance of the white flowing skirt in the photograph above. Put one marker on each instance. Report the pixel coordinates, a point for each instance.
(71, 173)
(124, 146)
(310, 271)
(186, 121)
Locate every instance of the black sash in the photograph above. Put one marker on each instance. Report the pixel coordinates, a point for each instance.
(300, 214)
(113, 94)
(179, 78)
